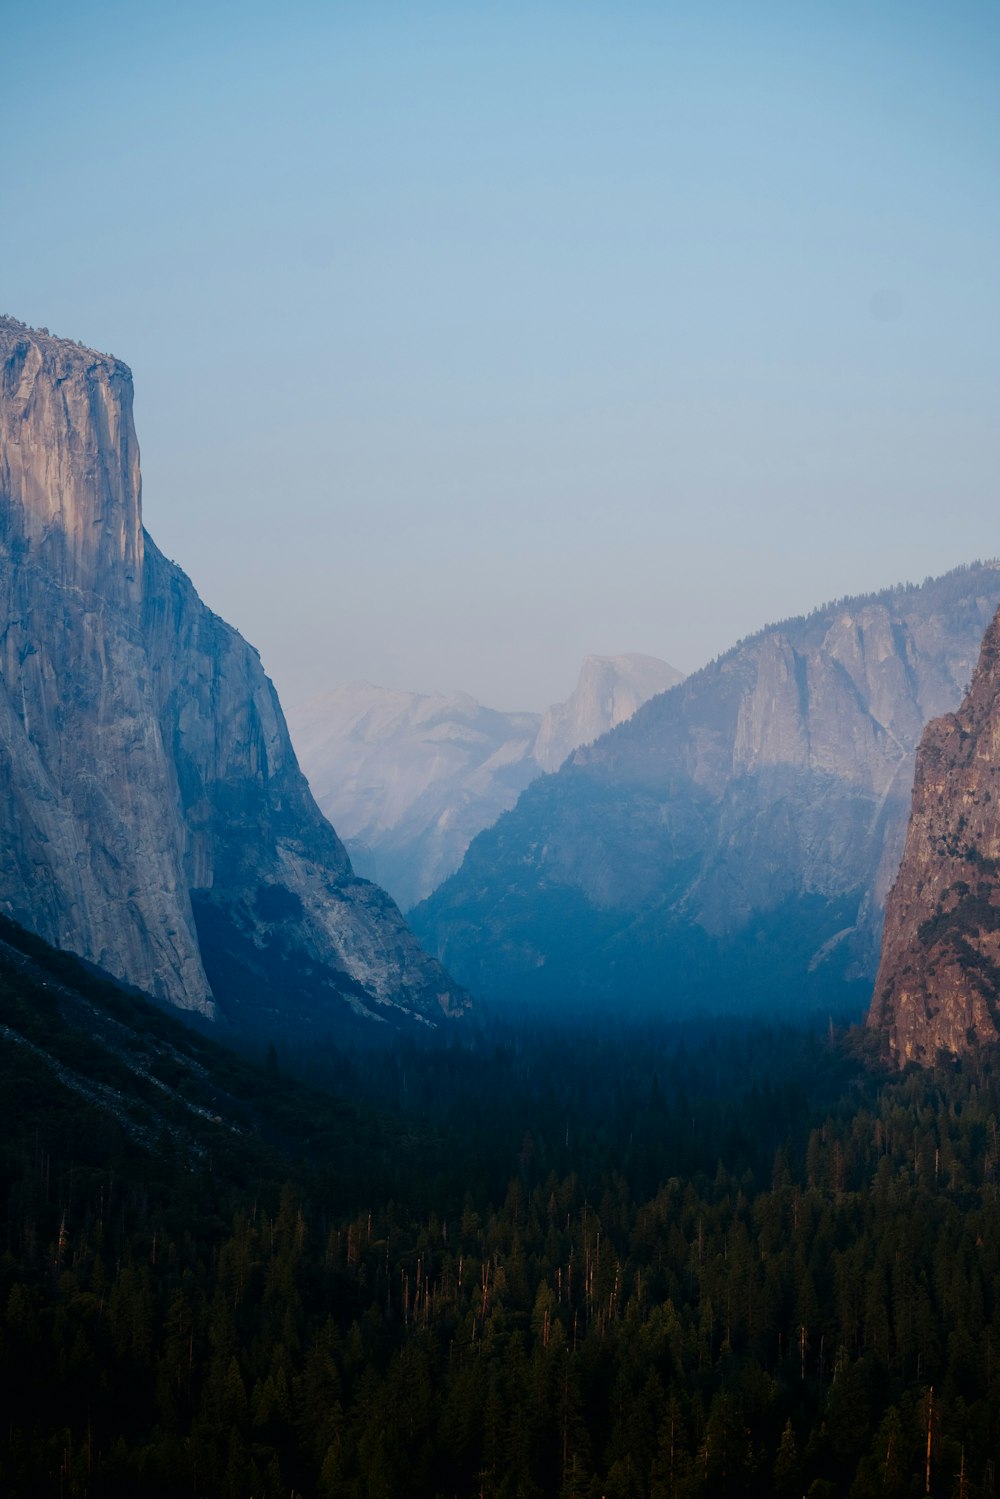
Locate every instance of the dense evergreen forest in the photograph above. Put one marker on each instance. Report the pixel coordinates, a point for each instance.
(629, 1261)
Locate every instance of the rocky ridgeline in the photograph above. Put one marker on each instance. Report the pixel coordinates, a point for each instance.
(153, 818)
(731, 846)
(410, 778)
(938, 986)
(608, 691)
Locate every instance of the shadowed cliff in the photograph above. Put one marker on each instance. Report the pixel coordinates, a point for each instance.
(938, 986)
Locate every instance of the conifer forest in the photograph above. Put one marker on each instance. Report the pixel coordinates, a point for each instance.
(539, 1260)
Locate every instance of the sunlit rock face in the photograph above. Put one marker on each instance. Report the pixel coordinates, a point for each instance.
(732, 844)
(153, 818)
(410, 778)
(937, 994)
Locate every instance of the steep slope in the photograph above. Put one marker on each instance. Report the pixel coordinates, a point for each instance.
(74, 1046)
(126, 1107)
(409, 779)
(938, 984)
(412, 777)
(732, 844)
(609, 690)
(153, 816)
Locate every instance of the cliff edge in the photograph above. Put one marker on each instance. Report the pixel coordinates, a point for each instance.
(938, 987)
(153, 817)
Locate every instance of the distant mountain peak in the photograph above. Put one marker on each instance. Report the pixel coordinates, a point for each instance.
(608, 691)
(410, 778)
(730, 846)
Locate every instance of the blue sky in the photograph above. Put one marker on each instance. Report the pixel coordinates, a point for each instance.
(469, 339)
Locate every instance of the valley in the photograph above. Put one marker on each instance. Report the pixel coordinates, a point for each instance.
(716, 1260)
(634, 1207)
(500, 804)
(759, 807)
(409, 779)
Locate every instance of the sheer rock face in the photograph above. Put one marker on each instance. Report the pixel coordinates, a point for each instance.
(153, 816)
(410, 778)
(938, 985)
(609, 690)
(733, 843)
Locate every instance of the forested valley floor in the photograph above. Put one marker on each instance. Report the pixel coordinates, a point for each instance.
(635, 1262)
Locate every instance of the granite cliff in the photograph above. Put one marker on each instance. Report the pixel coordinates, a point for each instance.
(410, 778)
(608, 691)
(153, 818)
(938, 986)
(732, 845)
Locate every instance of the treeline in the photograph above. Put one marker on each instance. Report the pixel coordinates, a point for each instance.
(624, 1264)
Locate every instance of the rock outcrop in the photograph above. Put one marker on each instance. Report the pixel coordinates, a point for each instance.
(608, 691)
(938, 987)
(410, 778)
(153, 818)
(731, 846)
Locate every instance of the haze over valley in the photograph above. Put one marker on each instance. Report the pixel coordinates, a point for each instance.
(681, 876)
(500, 809)
(760, 806)
(411, 778)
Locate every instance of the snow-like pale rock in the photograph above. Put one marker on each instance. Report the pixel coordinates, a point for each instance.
(609, 690)
(409, 779)
(153, 818)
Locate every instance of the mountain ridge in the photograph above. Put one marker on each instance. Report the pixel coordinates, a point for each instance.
(410, 778)
(758, 808)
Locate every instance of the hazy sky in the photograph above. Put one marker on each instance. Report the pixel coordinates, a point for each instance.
(471, 338)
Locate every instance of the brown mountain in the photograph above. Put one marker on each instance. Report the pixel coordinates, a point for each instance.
(938, 985)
